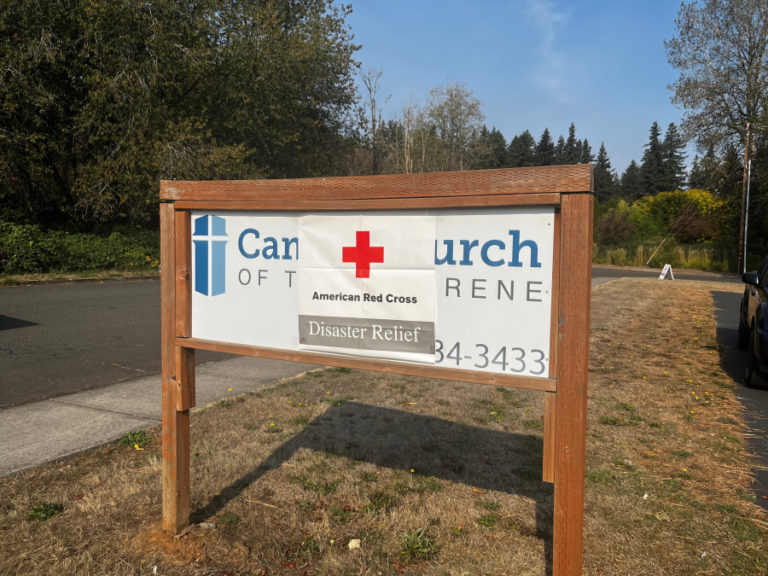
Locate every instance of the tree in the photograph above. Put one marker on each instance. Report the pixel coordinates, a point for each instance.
(456, 116)
(522, 151)
(721, 51)
(560, 151)
(585, 153)
(545, 149)
(614, 227)
(674, 158)
(632, 186)
(571, 153)
(489, 149)
(688, 215)
(703, 170)
(101, 99)
(652, 166)
(372, 115)
(604, 178)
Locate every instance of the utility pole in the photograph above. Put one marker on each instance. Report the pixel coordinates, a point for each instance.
(744, 205)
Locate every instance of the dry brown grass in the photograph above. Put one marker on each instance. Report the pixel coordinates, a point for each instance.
(284, 478)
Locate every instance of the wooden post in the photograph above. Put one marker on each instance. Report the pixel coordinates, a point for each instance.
(548, 457)
(572, 373)
(185, 357)
(175, 423)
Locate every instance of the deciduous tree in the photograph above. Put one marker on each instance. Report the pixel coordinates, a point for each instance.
(721, 51)
(99, 99)
(457, 117)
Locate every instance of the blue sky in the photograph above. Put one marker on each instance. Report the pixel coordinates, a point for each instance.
(600, 64)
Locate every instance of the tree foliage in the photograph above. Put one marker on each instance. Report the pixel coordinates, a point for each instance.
(652, 167)
(688, 215)
(604, 178)
(545, 149)
(456, 118)
(721, 51)
(673, 148)
(101, 99)
(522, 150)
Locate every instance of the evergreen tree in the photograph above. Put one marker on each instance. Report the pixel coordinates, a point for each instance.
(632, 186)
(497, 146)
(545, 150)
(560, 151)
(489, 150)
(572, 152)
(652, 166)
(703, 171)
(727, 176)
(674, 159)
(521, 151)
(604, 178)
(585, 153)
(697, 178)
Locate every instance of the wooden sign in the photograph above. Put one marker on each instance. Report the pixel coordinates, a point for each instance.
(477, 276)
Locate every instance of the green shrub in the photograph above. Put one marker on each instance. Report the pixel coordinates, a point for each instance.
(26, 248)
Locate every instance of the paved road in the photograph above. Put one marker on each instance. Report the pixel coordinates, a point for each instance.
(601, 274)
(56, 339)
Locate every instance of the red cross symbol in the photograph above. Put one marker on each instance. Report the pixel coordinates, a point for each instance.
(363, 254)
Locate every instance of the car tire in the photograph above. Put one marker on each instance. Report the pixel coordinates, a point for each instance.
(743, 338)
(752, 378)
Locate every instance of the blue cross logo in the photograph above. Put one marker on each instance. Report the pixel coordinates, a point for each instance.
(210, 258)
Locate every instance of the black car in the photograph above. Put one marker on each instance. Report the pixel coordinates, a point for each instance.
(753, 324)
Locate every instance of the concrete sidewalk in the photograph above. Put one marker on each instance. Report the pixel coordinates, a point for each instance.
(52, 429)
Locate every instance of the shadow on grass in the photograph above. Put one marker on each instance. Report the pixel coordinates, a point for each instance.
(396, 439)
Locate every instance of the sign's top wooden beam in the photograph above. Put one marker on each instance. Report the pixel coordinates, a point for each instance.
(534, 180)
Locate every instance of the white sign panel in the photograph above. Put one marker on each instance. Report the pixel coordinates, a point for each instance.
(465, 288)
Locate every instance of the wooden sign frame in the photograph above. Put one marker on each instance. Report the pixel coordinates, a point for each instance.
(567, 189)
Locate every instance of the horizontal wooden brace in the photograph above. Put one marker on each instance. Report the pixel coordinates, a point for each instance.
(390, 366)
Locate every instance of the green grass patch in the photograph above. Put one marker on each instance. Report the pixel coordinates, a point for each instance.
(417, 545)
(380, 501)
(325, 488)
(599, 476)
(744, 530)
(45, 511)
(138, 438)
(369, 476)
(229, 518)
(488, 521)
(342, 513)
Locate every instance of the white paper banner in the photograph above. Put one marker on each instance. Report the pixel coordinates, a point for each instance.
(373, 272)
